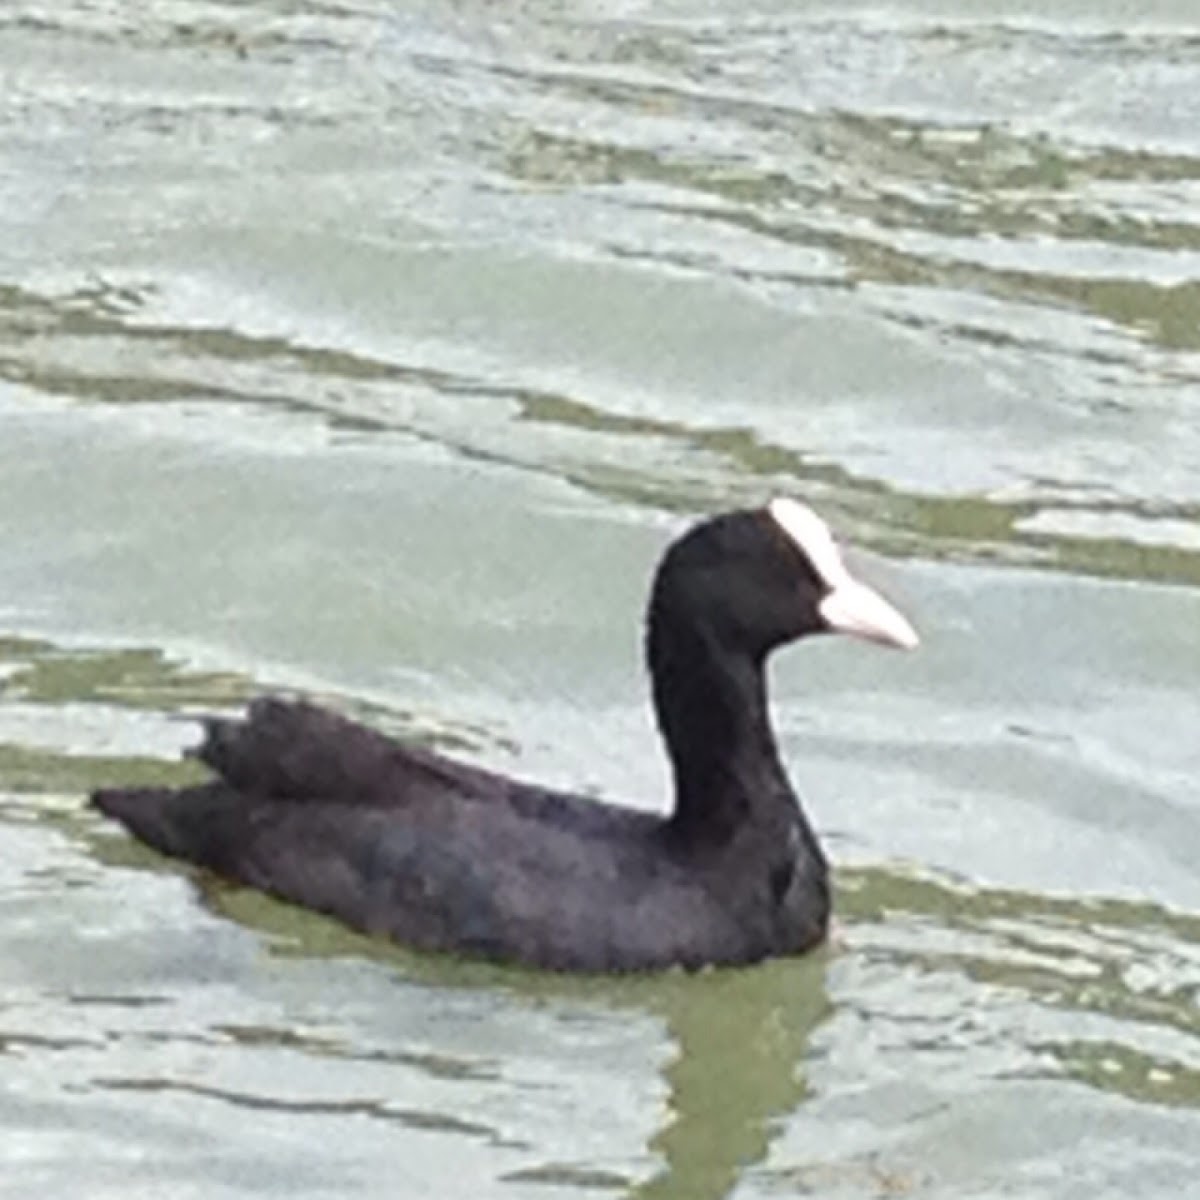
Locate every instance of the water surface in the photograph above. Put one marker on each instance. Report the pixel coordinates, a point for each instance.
(375, 353)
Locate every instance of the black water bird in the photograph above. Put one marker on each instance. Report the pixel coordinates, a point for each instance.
(398, 841)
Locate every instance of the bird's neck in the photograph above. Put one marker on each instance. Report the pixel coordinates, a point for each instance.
(711, 706)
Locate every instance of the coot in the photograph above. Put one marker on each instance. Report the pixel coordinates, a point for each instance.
(398, 841)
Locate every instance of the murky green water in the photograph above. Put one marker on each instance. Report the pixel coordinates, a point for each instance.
(375, 350)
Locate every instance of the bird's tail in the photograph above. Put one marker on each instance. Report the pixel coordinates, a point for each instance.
(181, 822)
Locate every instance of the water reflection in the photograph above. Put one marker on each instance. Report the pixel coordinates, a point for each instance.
(742, 1039)
(735, 1041)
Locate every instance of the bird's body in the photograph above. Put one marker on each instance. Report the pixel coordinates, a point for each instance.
(402, 842)
(431, 853)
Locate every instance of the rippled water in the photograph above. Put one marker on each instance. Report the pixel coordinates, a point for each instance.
(375, 350)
